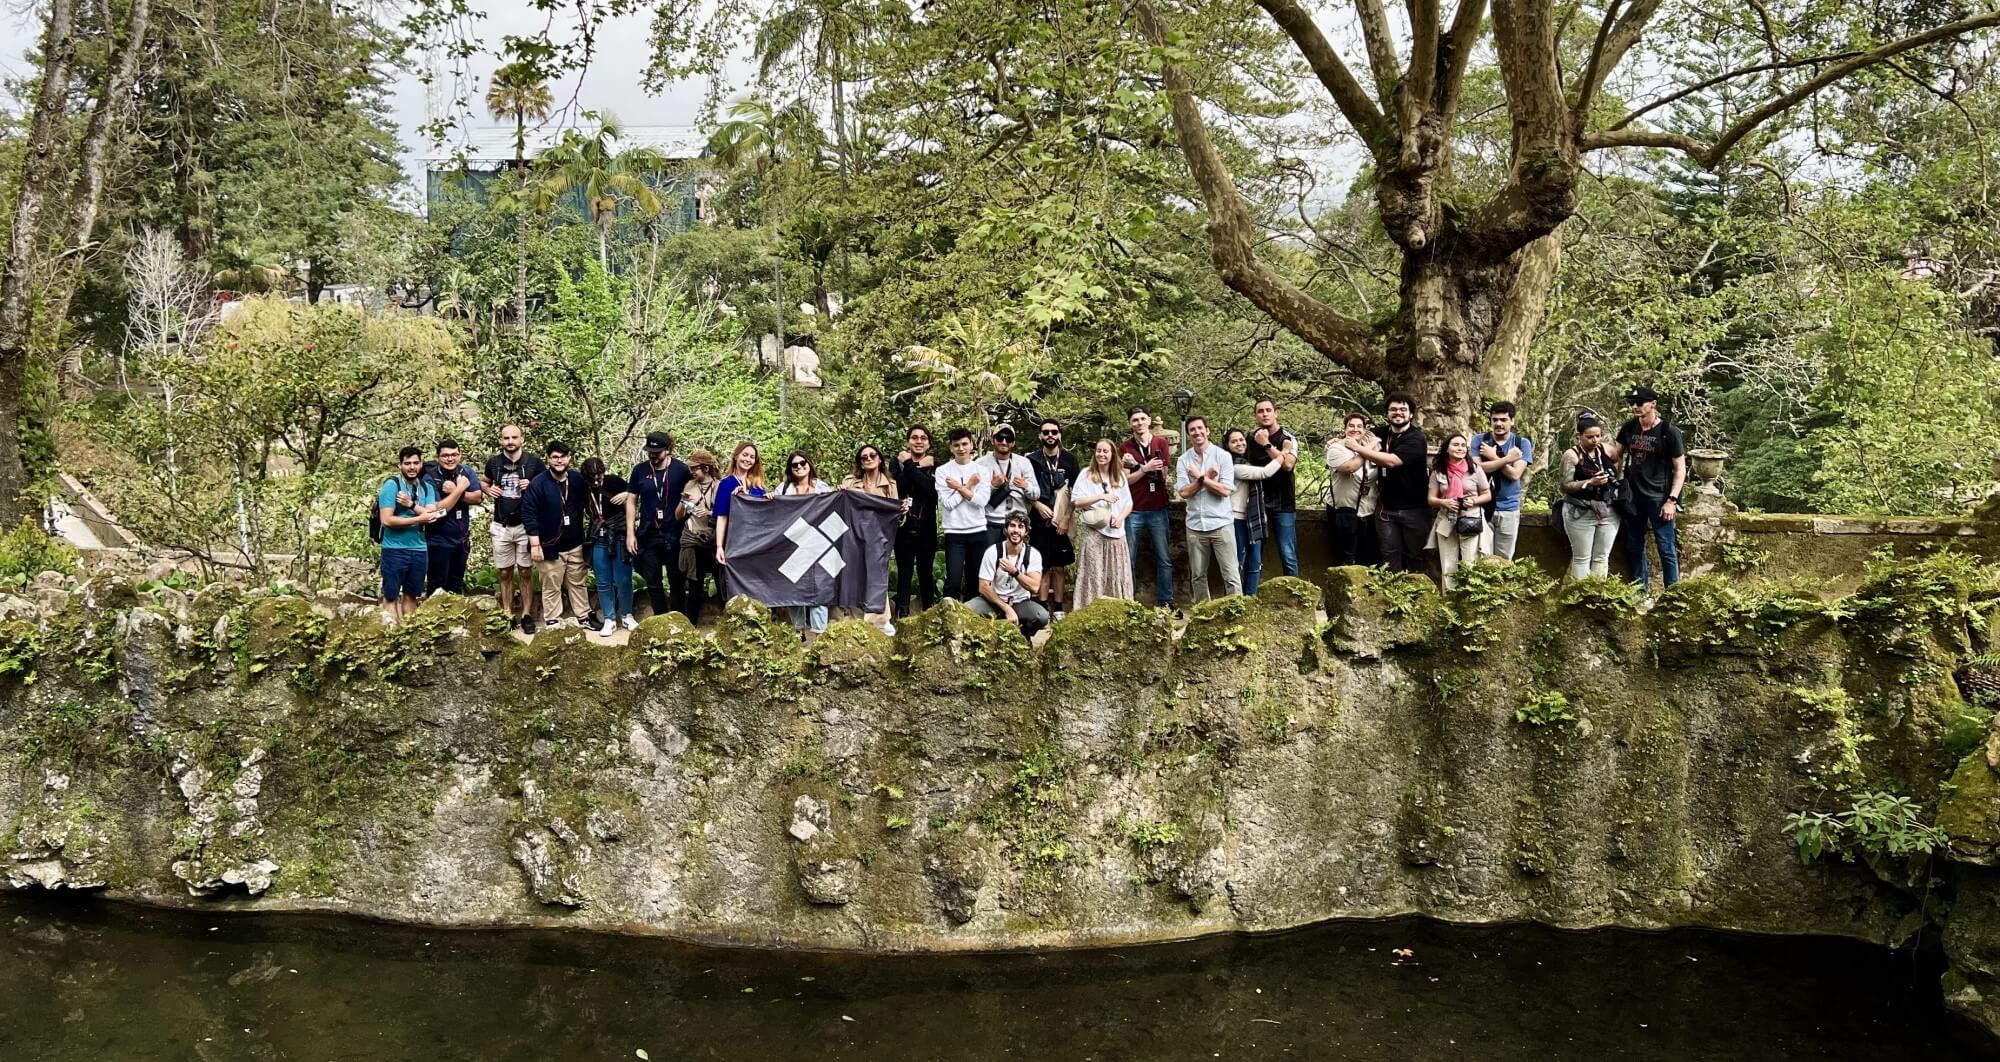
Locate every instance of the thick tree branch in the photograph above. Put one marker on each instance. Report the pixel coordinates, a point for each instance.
(1347, 342)
(1381, 47)
(1614, 39)
(1455, 55)
(1541, 189)
(1414, 97)
(1353, 100)
(1710, 155)
(1703, 86)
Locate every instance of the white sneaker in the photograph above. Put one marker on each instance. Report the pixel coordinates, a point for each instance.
(630, 623)
(1056, 616)
(605, 631)
(889, 629)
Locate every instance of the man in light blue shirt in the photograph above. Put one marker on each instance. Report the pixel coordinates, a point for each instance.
(406, 503)
(1205, 477)
(1505, 455)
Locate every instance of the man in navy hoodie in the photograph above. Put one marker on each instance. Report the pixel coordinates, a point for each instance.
(658, 481)
(552, 512)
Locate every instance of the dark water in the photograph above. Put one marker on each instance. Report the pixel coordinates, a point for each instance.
(99, 982)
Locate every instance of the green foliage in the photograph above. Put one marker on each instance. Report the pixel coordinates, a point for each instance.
(1147, 835)
(26, 551)
(1876, 824)
(1544, 708)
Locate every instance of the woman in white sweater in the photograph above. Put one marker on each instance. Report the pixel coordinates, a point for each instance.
(1248, 501)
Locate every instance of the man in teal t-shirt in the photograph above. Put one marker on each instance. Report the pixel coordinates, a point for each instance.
(407, 501)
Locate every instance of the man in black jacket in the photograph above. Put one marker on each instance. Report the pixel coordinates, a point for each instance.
(658, 481)
(1055, 471)
(915, 470)
(552, 511)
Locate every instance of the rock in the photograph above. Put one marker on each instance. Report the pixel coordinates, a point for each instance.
(48, 874)
(551, 872)
(51, 580)
(255, 877)
(809, 818)
(1993, 742)
(830, 882)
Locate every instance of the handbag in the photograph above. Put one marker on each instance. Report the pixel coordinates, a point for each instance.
(1468, 523)
(1097, 517)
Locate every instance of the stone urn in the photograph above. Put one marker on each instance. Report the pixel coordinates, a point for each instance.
(1706, 465)
(1705, 470)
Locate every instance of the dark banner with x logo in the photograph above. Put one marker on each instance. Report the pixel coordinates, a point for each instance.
(813, 549)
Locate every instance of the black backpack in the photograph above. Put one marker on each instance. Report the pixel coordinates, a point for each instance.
(375, 512)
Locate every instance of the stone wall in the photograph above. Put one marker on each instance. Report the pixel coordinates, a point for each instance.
(1511, 751)
(1831, 551)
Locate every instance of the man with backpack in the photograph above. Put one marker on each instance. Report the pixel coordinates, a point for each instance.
(508, 474)
(1505, 455)
(449, 539)
(404, 506)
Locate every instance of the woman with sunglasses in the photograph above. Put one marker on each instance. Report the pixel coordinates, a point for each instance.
(746, 476)
(799, 479)
(871, 476)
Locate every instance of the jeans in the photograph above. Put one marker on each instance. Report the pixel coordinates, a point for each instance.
(1030, 613)
(613, 568)
(445, 568)
(1217, 547)
(1590, 539)
(1350, 537)
(1663, 538)
(962, 550)
(1151, 529)
(916, 560)
(1506, 532)
(1403, 532)
(697, 587)
(1285, 529)
(1249, 557)
(808, 617)
(666, 587)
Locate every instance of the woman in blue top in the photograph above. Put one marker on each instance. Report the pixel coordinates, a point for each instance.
(746, 476)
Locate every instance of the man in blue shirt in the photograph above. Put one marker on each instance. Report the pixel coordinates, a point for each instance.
(449, 539)
(406, 504)
(1505, 456)
(658, 481)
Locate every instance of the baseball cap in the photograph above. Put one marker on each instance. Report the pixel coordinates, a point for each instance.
(658, 442)
(1641, 394)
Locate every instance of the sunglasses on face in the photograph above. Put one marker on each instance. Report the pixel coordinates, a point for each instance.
(798, 464)
(871, 457)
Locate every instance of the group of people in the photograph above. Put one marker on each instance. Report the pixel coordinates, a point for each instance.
(1012, 523)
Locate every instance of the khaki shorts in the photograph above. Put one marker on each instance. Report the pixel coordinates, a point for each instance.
(510, 547)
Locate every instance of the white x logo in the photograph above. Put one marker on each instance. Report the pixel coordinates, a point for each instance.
(815, 546)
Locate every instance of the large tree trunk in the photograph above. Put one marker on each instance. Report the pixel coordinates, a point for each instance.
(38, 174)
(1462, 332)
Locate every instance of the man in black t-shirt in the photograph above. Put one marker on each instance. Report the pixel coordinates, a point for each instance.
(659, 481)
(1271, 442)
(508, 474)
(915, 469)
(1655, 458)
(1055, 471)
(1403, 513)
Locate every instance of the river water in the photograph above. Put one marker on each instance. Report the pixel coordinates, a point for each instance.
(97, 982)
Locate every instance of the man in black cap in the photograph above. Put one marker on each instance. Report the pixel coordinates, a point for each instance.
(1655, 460)
(658, 481)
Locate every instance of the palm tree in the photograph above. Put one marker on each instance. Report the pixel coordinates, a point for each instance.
(820, 35)
(609, 179)
(519, 91)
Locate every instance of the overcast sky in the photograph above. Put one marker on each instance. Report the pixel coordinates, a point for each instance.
(613, 82)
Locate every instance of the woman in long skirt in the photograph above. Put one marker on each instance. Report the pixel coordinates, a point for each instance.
(1102, 502)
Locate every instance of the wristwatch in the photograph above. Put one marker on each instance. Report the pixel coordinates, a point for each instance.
(1676, 499)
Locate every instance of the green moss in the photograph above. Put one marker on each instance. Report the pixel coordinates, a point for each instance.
(1970, 812)
(1227, 625)
(1130, 639)
(1370, 611)
(1716, 615)
(850, 652)
(949, 649)
(1604, 595)
(1289, 596)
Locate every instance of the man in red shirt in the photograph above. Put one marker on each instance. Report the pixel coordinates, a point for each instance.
(1146, 458)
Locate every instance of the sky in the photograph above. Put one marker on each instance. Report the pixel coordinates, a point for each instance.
(613, 82)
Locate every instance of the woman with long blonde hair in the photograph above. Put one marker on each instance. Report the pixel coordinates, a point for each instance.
(746, 477)
(1102, 501)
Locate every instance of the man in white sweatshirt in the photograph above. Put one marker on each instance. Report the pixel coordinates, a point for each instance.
(963, 489)
(1010, 484)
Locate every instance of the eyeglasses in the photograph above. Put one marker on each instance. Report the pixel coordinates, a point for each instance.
(799, 464)
(1048, 434)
